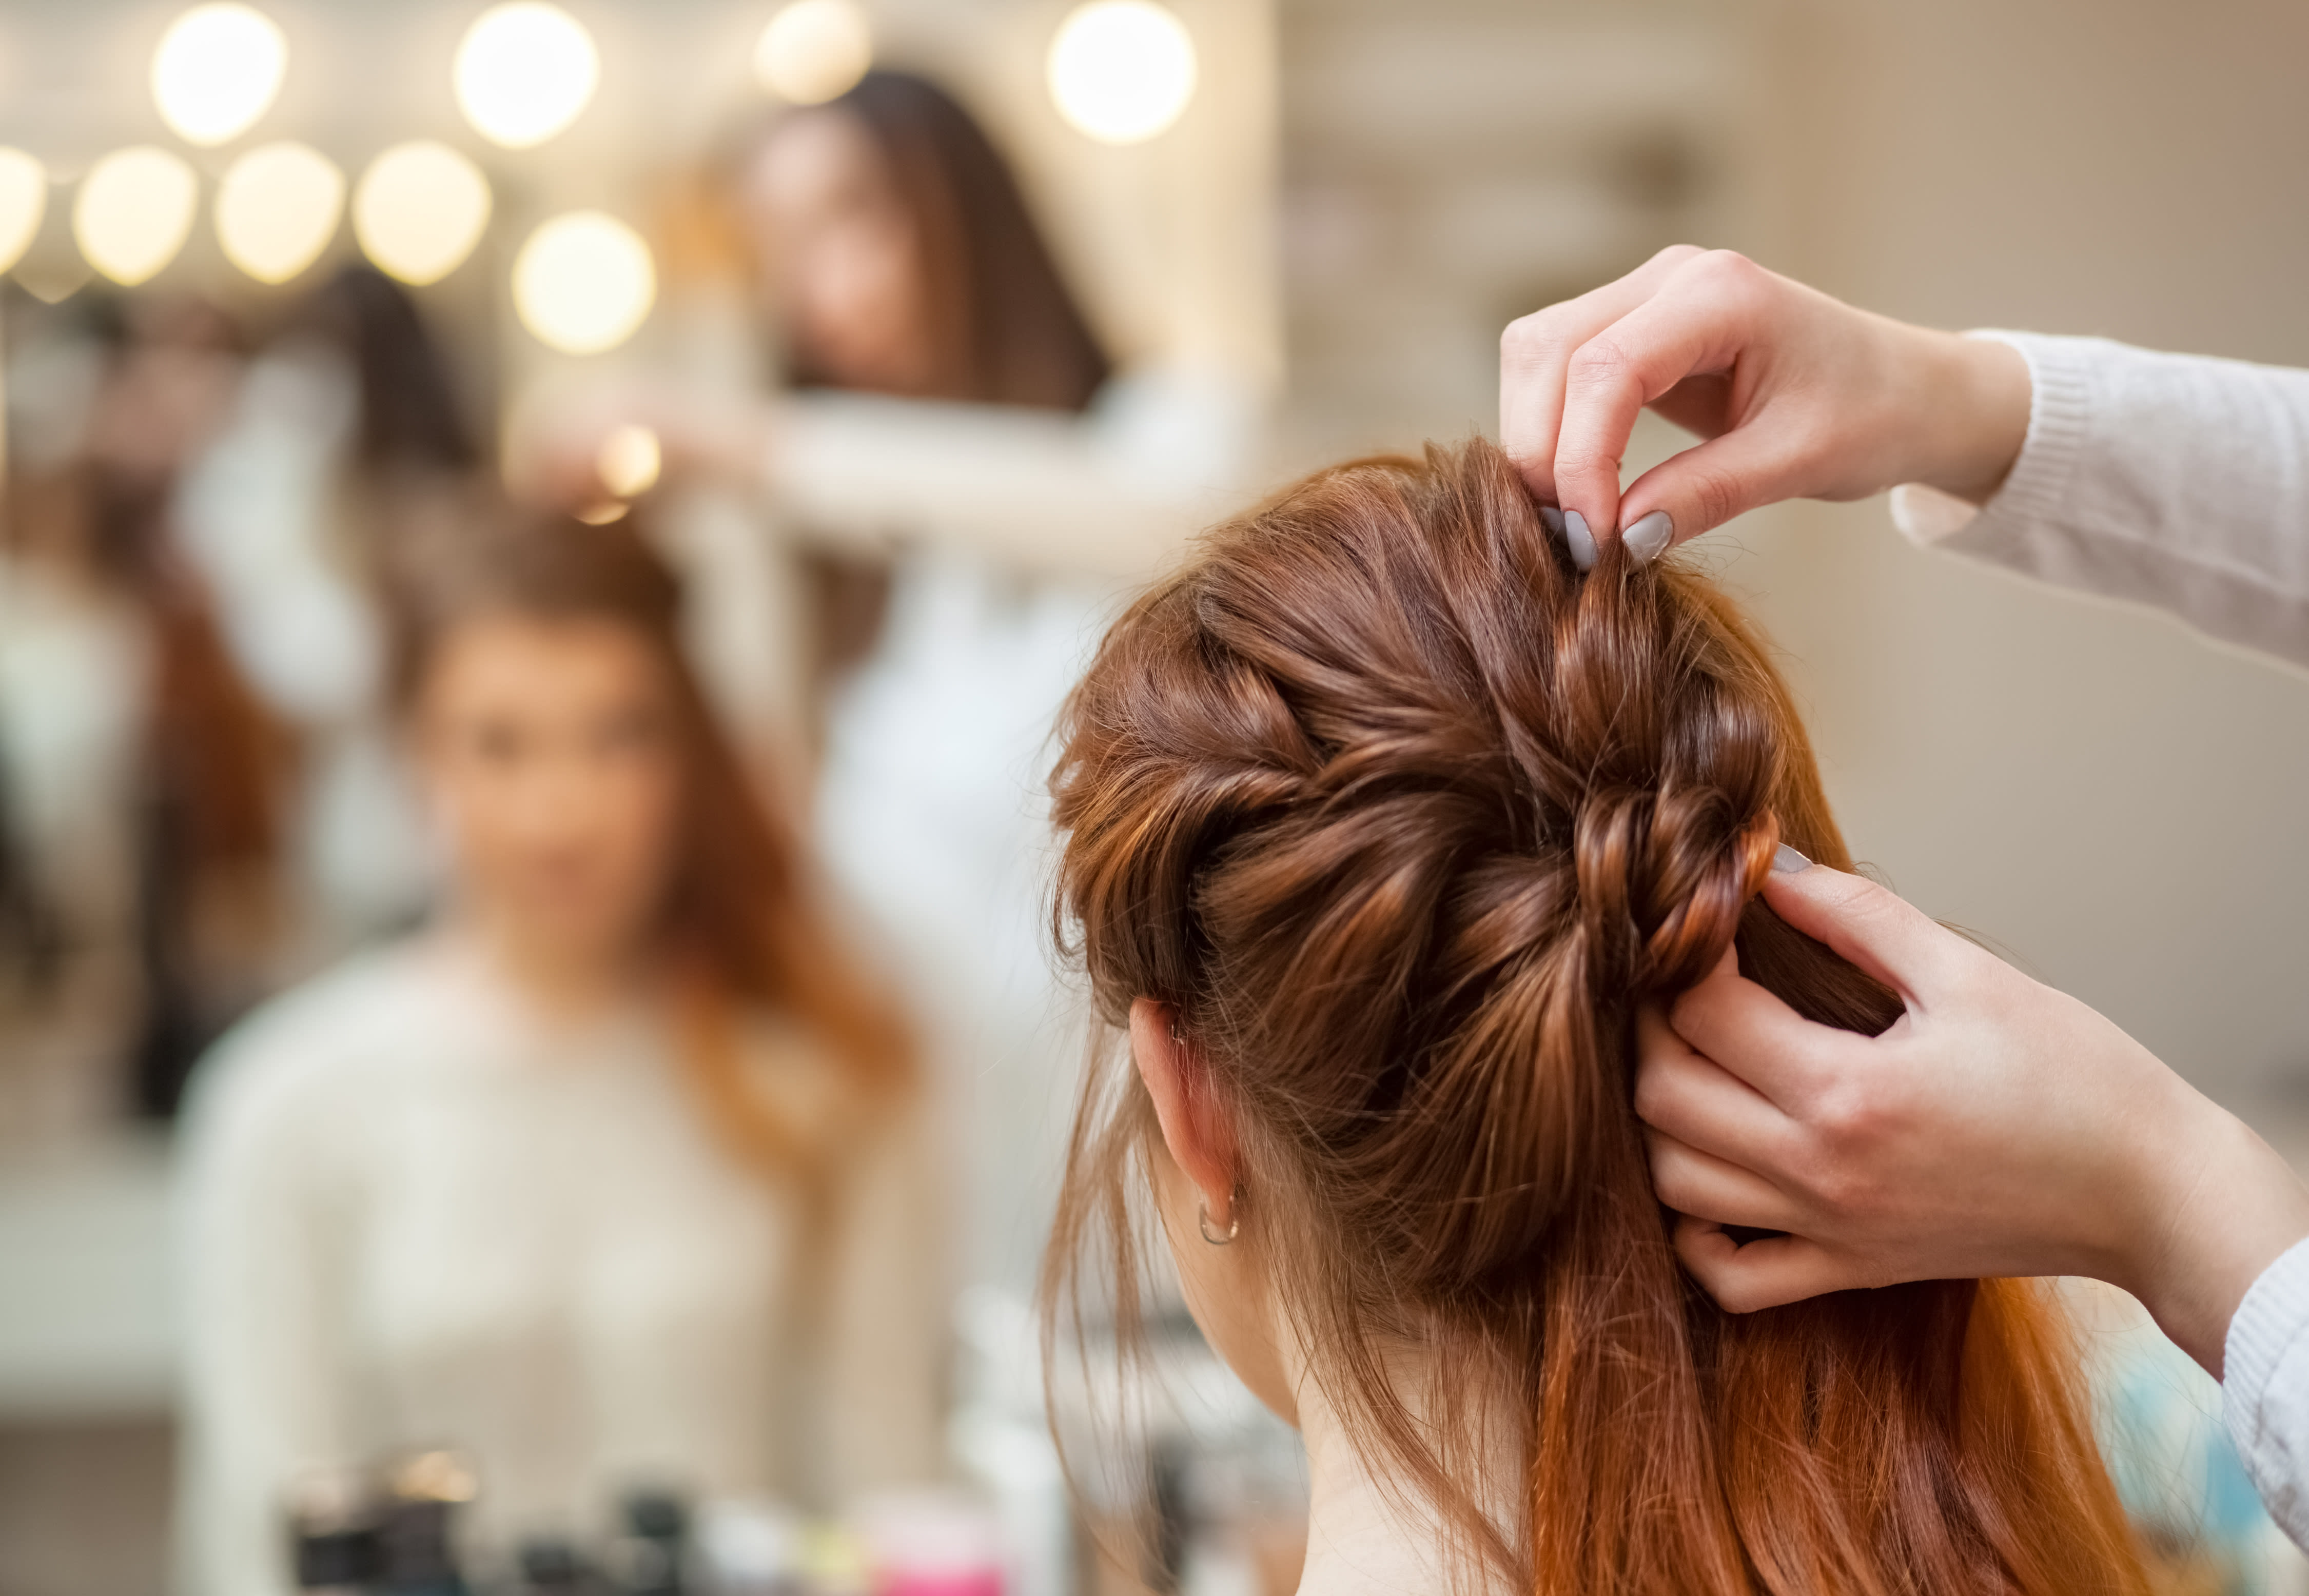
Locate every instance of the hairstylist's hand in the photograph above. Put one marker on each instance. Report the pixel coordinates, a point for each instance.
(1797, 395)
(1998, 1128)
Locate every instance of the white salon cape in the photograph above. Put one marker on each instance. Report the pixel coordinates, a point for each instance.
(417, 1216)
(2182, 482)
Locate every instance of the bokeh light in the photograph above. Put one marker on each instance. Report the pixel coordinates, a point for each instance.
(133, 213)
(277, 208)
(1121, 71)
(583, 282)
(813, 51)
(23, 201)
(629, 461)
(419, 211)
(525, 72)
(217, 69)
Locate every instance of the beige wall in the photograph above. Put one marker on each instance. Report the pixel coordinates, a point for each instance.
(2118, 803)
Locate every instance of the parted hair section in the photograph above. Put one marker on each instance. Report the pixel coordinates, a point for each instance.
(1406, 817)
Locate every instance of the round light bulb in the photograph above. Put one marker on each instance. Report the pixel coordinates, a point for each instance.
(420, 210)
(277, 208)
(814, 51)
(218, 68)
(1121, 71)
(583, 282)
(134, 209)
(525, 72)
(23, 201)
(629, 462)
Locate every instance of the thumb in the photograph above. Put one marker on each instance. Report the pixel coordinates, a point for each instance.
(1870, 927)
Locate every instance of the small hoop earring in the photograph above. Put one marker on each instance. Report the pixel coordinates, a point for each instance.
(1234, 1222)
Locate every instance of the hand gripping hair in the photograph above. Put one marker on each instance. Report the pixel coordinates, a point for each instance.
(1406, 817)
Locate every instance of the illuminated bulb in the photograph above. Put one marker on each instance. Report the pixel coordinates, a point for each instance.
(217, 70)
(277, 209)
(583, 282)
(23, 201)
(604, 513)
(525, 72)
(629, 462)
(1121, 71)
(134, 209)
(420, 210)
(813, 51)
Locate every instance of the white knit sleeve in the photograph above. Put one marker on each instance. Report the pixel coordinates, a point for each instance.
(2178, 481)
(2265, 1388)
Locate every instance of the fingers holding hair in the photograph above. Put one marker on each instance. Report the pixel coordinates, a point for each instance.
(1765, 1273)
(1535, 352)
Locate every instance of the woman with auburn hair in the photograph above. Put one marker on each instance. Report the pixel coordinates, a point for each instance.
(614, 1177)
(1384, 829)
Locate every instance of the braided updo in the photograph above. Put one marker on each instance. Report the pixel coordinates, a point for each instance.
(1405, 816)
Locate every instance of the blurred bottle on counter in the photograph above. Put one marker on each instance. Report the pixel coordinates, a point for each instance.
(333, 1534)
(416, 1525)
(931, 1543)
(552, 1565)
(650, 1559)
(751, 1548)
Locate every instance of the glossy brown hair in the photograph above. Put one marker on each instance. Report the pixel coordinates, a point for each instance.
(741, 925)
(1405, 816)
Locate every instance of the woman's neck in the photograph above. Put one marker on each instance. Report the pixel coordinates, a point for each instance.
(560, 984)
(1365, 1539)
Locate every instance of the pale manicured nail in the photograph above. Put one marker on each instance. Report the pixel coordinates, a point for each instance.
(1787, 861)
(1552, 519)
(1582, 542)
(1648, 538)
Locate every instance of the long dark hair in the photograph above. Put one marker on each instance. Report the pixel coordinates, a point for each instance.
(1404, 817)
(741, 923)
(1007, 330)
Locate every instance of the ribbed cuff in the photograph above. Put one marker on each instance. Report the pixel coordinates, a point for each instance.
(2060, 415)
(2269, 1325)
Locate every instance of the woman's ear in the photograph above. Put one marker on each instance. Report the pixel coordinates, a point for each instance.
(1194, 1125)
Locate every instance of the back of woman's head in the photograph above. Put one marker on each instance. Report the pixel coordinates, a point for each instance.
(1406, 817)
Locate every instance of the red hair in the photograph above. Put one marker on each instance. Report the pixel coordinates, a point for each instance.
(1406, 817)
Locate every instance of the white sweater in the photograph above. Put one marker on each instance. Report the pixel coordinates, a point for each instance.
(416, 1217)
(2181, 482)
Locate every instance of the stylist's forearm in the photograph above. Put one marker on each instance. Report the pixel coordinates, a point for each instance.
(2229, 1206)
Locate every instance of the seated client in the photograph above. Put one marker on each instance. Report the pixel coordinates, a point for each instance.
(1381, 822)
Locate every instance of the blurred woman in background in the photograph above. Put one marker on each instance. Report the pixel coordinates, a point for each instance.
(974, 481)
(615, 1175)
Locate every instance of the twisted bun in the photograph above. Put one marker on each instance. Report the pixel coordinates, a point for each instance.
(1405, 816)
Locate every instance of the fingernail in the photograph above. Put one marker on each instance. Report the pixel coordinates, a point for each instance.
(1552, 519)
(1582, 542)
(1648, 538)
(1787, 861)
